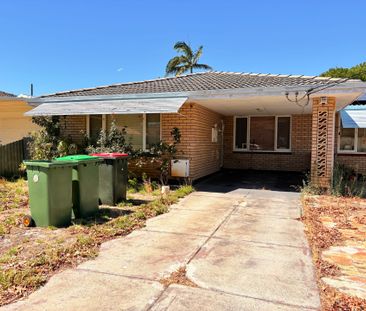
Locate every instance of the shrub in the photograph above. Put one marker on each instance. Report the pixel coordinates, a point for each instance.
(346, 182)
(113, 141)
(47, 143)
(308, 187)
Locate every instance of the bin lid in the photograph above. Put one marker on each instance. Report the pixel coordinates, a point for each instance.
(110, 155)
(47, 163)
(78, 158)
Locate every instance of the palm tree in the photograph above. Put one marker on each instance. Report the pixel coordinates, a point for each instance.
(185, 62)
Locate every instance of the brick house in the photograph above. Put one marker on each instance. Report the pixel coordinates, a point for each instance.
(227, 120)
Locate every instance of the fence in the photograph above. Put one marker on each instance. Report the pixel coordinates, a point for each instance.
(11, 156)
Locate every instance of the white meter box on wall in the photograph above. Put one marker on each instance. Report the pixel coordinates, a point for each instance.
(180, 168)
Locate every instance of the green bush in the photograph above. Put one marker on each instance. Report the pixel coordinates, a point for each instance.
(47, 143)
(346, 182)
(113, 141)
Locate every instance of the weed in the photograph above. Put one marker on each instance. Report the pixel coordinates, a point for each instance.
(140, 215)
(85, 240)
(183, 191)
(10, 255)
(23, 271)
(346, 182)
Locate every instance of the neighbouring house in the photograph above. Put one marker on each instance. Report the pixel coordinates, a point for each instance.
(351, 138)
(14, 125)
(227, 120)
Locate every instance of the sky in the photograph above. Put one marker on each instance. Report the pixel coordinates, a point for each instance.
(71, 44)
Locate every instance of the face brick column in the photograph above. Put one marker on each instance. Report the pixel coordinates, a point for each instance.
(322, 147)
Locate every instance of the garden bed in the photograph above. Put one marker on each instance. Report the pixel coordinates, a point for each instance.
(30, 256)
(336, 230)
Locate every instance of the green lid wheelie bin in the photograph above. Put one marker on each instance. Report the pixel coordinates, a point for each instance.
(85, 184)
(50, 192)
(113, 177)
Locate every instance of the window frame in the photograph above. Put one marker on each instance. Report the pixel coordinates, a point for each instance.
(354, 151)
(144, 127)
(276, 150)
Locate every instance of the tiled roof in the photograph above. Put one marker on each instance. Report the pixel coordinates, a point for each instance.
(4, 94)
(203, 81)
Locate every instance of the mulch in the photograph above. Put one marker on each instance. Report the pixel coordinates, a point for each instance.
(335, 221)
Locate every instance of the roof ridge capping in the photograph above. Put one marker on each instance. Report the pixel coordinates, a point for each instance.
(123, 83)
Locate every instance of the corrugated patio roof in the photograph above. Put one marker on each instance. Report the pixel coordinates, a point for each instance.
(203, 81)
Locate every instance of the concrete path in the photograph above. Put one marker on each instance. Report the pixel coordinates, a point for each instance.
(244, 249)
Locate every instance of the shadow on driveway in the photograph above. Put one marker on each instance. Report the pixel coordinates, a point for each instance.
(230, 180)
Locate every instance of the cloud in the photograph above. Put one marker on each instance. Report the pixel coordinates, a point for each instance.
(119, 69)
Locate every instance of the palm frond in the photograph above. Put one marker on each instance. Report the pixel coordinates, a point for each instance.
(173, 63)
(187, 61)
(182, 69)
(197, 55)
(184, 48)
(202, 66)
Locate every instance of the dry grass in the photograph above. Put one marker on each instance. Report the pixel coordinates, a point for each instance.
(30, 256)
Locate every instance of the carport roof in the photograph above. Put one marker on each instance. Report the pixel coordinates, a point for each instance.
(204, 81)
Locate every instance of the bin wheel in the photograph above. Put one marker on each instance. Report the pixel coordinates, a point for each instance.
(28, 221)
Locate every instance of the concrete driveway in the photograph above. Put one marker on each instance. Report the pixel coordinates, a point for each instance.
(243, 248)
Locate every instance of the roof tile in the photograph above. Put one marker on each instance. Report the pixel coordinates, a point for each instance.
(203, 81)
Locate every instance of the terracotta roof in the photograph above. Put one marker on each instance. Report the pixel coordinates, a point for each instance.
(5, 94)
(203, 81)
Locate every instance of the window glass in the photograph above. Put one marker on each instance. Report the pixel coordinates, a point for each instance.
(262, 133)
(347, 139)
(361, 141)
(133, 125)
(241, 133)
(95, 126)
(152, 129)
(283, 133)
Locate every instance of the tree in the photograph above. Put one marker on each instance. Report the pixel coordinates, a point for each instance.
(187, 61)
(355, 72)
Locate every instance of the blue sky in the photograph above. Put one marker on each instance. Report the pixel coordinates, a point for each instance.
(68, 44)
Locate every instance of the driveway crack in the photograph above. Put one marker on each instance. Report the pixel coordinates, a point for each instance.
(226, 218)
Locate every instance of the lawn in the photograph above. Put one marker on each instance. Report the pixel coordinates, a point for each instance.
(30, 256)
(336, 230)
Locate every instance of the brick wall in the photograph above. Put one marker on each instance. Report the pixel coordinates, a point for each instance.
(74, 127)
(296, 160)
(195, 123)
(356, 161)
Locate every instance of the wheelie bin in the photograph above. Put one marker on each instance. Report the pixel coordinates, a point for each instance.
(85, 184)
(50, 193)
(113, 176)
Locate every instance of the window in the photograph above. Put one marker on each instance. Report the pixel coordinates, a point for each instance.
(133, 125)
(262, 130)
(361, 140)
(264, 133)
(143, 130)
(283, 133)
(347, 139)
(95, 126)
(352, 139)
(241, 125)
(152, 129)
